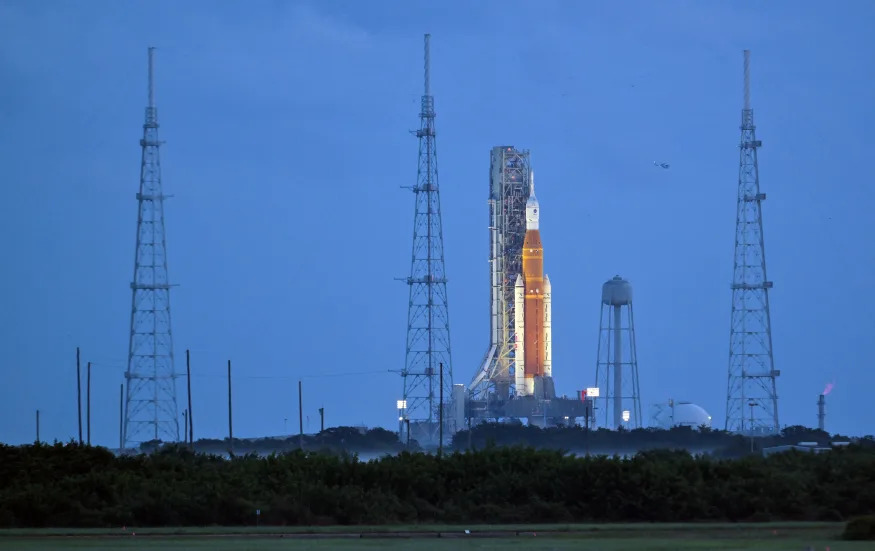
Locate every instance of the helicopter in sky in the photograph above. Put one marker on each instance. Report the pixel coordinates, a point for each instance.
(660, 165)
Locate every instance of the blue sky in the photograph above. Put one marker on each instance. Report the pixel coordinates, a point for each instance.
(286, 128)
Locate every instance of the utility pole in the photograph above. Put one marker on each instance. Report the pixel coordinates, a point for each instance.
(190, 423)
(88, 403)
(37, 426)
(230, 426)
(587, 406)
(751, 404)
(300, 415)
(79, 394)
(322, 419)
(441, 413)
(121, 417)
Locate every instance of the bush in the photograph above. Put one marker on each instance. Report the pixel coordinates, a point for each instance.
(860, 528)
(77, 486)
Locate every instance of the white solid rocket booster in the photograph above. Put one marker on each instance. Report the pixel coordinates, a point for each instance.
(548, 337)
(519, 294)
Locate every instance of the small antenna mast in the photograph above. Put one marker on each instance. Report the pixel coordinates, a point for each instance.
(427, 65)
(747, 80)
(151, 80)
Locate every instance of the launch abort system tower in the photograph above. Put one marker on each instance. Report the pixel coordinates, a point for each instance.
(752, 372)
(428, 323)
(150, 405)
(509, 177)
(617, 364)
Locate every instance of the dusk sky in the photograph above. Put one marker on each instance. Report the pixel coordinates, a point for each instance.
(287, 143)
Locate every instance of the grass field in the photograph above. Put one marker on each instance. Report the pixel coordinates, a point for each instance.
(589, 537)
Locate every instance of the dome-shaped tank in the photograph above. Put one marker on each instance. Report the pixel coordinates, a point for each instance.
(685, 414)
(617, 292)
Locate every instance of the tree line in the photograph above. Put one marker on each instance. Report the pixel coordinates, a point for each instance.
(71, 485)
(331, 440)
(577, 440)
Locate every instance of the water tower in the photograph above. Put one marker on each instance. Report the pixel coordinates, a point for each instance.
(616, 373)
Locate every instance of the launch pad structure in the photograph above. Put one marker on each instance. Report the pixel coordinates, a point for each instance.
(496, 393)
(508, 192)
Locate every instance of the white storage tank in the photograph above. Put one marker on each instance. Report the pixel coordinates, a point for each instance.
(683, 414)
(617, 292)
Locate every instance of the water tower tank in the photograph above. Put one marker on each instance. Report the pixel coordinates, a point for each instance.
(617, 292)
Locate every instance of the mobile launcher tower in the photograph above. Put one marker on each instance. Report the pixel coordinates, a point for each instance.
(515, 379)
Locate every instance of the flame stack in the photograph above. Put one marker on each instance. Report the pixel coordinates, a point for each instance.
(821, 414)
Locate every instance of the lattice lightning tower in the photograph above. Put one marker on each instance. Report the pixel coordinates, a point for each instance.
(150, 405)
(428, 325)
(751, 397)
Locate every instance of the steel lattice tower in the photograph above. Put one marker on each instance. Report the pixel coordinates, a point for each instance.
(751, 397)
(150, 405)
(428, 324)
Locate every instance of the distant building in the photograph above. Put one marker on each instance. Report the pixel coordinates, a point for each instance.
(812, 447)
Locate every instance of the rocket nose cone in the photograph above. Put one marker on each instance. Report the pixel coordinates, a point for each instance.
(519, 280)
(547, 285)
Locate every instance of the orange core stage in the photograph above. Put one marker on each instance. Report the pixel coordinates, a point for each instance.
(533, 277)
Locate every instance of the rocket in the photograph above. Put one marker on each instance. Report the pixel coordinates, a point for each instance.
(532, 306)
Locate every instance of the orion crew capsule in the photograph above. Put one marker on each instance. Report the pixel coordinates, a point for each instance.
(532, 306)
